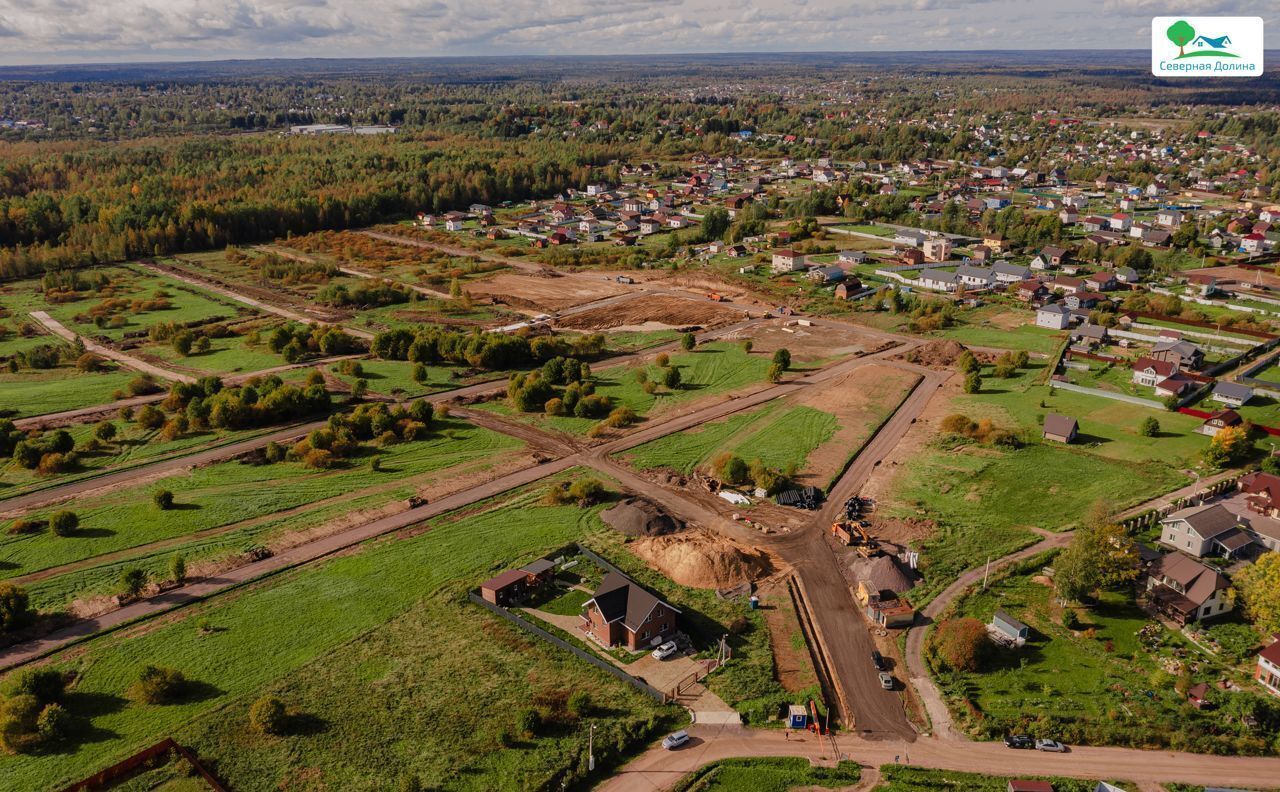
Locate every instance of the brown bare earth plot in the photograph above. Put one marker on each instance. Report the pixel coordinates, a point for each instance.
(651, 312)
(1227, 274)
(701, 559)
(860, 400)
(550, 293)
(808, 343)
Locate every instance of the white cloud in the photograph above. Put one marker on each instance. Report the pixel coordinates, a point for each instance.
(50, 31)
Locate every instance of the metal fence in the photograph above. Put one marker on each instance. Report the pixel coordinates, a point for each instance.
(560, 643)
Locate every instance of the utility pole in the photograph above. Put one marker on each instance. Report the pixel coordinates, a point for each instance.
(985, 573)
(591, 757)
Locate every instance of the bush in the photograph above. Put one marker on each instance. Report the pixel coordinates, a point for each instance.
(587, 491)
(783, 358)
(53, 724)
(268, 715)
(163, 500)
(19, 723)
(178, 569)
(133, 581)
(64, 523)
(158, 685)
(1150, 427)
(105, 431)
(26, 526)
(47, 685)
(528, 721)
(961, 644)
(688, 341)
(774, 373)
(662, 360)
(579, 703)
(150, 417)
(15, 607)
(730, 469)
(972, 383)
(671, 377)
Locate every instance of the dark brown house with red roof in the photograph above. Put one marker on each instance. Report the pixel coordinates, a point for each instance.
(624, 613)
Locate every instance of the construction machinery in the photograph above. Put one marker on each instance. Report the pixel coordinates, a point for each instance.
(853, 533)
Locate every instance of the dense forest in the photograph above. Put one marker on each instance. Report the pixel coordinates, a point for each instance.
(78, 204)
(121, 166)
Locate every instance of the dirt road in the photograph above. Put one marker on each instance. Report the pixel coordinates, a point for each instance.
(295, 556)
(658, 769)
(456, 250)
(58, 329)
(231, 294)
(355, 273)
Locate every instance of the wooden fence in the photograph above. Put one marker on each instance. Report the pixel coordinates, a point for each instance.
(131, 765)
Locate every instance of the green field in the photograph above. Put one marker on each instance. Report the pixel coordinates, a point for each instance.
(768, 774)
(41, 391)
(231, 355)
(395, 378)
(1110, 424)
(228, 493)
(780, 436)
(187, 304)
(1039, 340)
(133, 445)
(785, 443)
(684, 451)
(896, 778)
(709, 370)
(1093, 682)
(388, 670)
(984, 500)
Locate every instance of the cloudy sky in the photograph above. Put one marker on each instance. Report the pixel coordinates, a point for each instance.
(69, 31)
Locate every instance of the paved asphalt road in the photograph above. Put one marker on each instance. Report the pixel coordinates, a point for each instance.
(658, 769)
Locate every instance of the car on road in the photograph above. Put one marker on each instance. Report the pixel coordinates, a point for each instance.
(1052, 746)
(666, 650)
(886, 680)
(674, 741)
(1019, 741)
(877, 660)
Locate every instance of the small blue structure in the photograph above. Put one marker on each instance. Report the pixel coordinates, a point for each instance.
(797, 718)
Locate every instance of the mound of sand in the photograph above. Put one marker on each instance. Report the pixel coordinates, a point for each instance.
(935, 354)
(698, 559)
(640, 517)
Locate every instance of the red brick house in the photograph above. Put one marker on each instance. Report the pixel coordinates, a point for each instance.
(623, 613)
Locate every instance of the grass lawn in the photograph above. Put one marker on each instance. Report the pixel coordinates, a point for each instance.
(786, 442)
(684, 451)
(984, 500)
(1094, 682)
(230, 492)
(395, 378)
(231, 355)
(1111, 424)
(186, 303)
(133, 445)
(387, 668)
(707, 371)
(42, 391)
(567, 604)
(767, 774)
(897, 778)
(1029, 337)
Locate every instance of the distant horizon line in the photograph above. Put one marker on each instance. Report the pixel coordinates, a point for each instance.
(194, 60)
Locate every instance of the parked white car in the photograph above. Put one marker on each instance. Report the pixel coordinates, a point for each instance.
(666, 650)
(674, 741)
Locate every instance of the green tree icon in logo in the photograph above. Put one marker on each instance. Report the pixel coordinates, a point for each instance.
(1180, 33)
